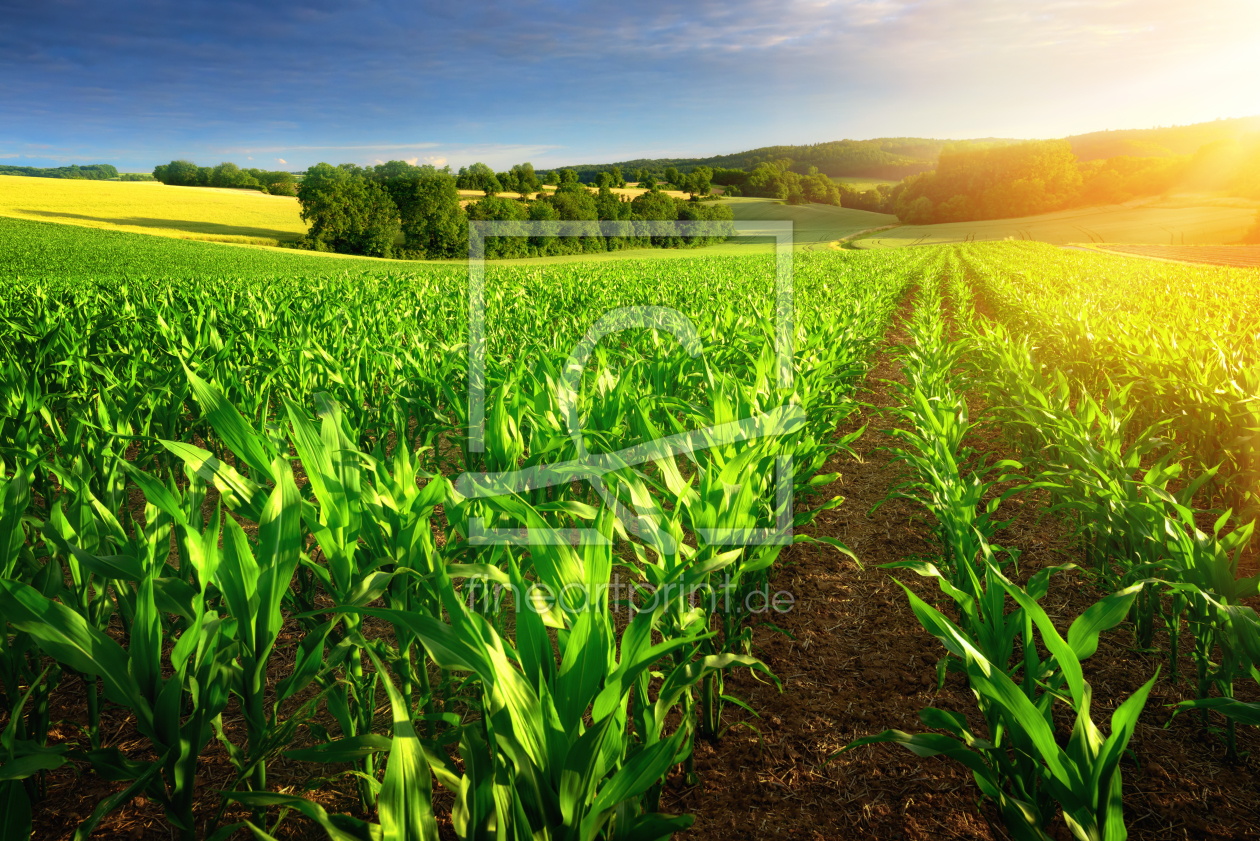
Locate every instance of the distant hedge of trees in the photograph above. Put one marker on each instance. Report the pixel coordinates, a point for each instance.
(90, 172)
(1044, 176)
(188, 174)
(362, 210)
(893, 158)
(777, 180)
(1253, 236)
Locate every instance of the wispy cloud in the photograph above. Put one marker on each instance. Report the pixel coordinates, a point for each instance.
(558, 83)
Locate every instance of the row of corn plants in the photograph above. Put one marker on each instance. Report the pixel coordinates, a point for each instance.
(1178, 342)
(1129, 481)
(258, 500)
(1018, 666)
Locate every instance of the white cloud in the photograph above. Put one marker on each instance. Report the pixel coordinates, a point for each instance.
(282, 160)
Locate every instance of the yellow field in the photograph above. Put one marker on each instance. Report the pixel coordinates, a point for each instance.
(1185, 224)
(147, 207)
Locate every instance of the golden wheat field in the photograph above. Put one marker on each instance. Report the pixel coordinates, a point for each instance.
(147, 207)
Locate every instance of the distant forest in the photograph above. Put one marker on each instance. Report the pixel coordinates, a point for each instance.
(895, 158)
(188, 174)
(889, 158)
(1043, 176)
(89, 172)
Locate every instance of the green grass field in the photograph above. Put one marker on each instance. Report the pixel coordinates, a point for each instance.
(1192, 225)
(50, 250)
(814, 224)
(861, 184)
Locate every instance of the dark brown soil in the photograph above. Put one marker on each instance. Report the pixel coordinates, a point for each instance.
(857, 662)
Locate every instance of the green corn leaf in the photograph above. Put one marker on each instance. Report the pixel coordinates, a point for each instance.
(68, 638)
(239, 493)
(16, 808)
(337, 827)
(1240, 711)
(350, 749)
(1101, 616)
(253, 449)
(237, 579)
(143, 782)
(406, 797)
(31, 764)
(307, 665)
(279, 549)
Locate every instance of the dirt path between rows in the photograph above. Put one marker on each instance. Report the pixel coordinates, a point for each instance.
(859, 662)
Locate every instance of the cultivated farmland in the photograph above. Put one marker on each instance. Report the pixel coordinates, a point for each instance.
(200, 213)
(246, 586)
(1242, 256)
(1194, 225)
(813, 225)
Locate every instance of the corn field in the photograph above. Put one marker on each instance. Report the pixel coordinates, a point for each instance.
(237, 511)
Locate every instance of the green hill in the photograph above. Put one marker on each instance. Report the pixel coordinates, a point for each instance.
(1160, 142)
(885, 158)
(894, 158)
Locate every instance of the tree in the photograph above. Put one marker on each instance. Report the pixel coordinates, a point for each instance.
(392, 171)
(608, 206)
(819, 188)
(526, 179)
(507, 182)
(351, 216)
(320, 176)
(697, 182)
(230, 175)
(542, 211)
(1019, 179)
(568, 182)
(495, 209)
(618, 179)
(177, 173)
(573, 205)
(1253, 236)
(672, 176)
(432, 220)
(478, 177)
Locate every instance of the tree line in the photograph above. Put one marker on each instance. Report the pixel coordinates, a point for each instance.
(1044, 176)
(892, 158)
(188, 174)
(364, 210)
(89, 172)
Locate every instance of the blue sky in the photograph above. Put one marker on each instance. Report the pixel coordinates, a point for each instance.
(287, 84)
